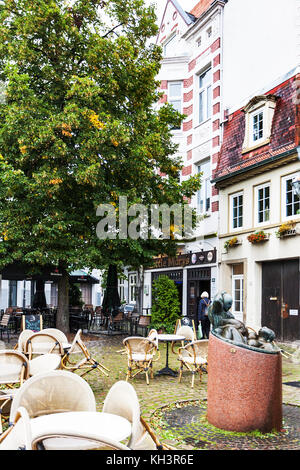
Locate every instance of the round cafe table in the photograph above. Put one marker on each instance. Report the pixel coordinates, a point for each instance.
(95, 424)
(165, 338)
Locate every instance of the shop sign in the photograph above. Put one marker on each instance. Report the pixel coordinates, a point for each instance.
(202, 257)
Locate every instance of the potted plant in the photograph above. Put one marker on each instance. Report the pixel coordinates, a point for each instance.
(287, 228)
(165, 305)
(258, 237)
(230, 243)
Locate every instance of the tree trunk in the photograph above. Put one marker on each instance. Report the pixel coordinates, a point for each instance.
(62, 318)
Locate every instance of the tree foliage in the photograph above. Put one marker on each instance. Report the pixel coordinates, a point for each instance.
(165, 304)
(78, 128)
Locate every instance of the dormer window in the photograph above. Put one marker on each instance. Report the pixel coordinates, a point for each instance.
(258, 126)
(259, 117)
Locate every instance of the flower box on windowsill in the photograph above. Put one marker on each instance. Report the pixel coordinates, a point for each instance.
(231, 243)
(258, 237)
(287, 229)
(288, 233)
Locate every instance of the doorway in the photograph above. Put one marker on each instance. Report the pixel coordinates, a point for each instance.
(280, 298)
(198, 281)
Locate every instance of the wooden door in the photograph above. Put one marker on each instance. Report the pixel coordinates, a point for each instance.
(280, 298)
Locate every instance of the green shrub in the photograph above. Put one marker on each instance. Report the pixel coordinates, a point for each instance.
(165, 304)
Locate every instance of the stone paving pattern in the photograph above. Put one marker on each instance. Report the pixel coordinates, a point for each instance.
(164, 394)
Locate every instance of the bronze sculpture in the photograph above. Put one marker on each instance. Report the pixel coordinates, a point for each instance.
(225, 325)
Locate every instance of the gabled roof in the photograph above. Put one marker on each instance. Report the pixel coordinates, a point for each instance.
(187, 17)
(201, 7)
(232, 163)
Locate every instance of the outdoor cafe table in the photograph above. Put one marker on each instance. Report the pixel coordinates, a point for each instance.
(80, 423)
(166, 339)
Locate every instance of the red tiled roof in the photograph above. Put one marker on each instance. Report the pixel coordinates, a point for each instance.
(201, 7)
(283, 134)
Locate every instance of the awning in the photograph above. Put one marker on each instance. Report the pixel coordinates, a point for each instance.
(21, 272)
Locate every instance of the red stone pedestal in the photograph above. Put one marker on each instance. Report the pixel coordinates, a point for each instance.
(244, 388)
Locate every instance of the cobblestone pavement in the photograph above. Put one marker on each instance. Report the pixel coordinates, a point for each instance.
(179, 399)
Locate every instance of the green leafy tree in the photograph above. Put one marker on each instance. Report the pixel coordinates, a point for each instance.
(77, 129)
(165, 304)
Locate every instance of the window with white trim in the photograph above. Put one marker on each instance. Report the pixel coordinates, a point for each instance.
(257, 126)
(121, 288)
(236, 206)
(237, 296)
(205, 95)
(175, 97)
(290, 200)
(168, 45)
(262, 203)
(132, 288)
(259, 113)
(204, 193)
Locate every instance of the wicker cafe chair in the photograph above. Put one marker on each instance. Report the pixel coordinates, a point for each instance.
(87, 363)
(61, 440)
(53, 392)
(188, 333)
(23, 337)
(141, 353)
(42, 343)
(18, 435)
(4, 325)
(14, 368)
(44, 363)
(122, 400)
(194, 357)
(56, 333)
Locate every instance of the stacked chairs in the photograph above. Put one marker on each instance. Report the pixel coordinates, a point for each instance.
(61, 392)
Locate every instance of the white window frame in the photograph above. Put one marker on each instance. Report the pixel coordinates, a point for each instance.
(259, 112)
(204, 193)
(205, 91)
(175, 98)
(264, 105)
(283, 198)
(121, 289)
(257, 189)
(132, 282)
(238, 313)
(232, 197)
(167, 43)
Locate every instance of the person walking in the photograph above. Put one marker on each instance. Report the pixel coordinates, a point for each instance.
(203, 314)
